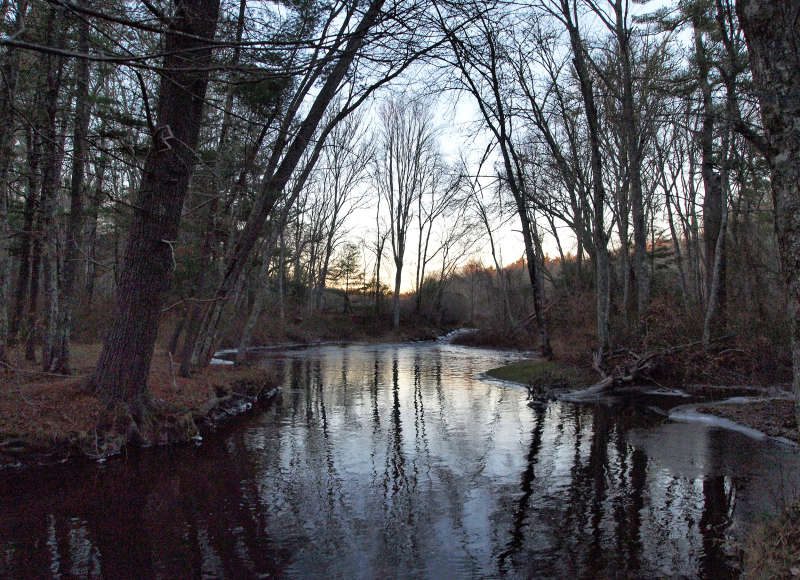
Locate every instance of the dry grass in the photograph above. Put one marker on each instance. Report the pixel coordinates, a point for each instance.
(773, 548)
(543, 375)
(43, 409)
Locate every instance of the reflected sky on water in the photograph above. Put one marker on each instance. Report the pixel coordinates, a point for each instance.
(389, 461)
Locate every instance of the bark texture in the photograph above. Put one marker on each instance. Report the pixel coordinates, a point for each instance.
(121, 373)
(772, 30)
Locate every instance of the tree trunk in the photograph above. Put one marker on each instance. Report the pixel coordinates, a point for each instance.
(29, 214)
(398, 263)
(94, 211)
(53, 151)
(712, 200)
(10, 69)
(378, 292)
(258, 305)
(530, 253)
(74, 241)
(602, 261)
(632, 138)
(124, 364)
(281, 278)
(624, 258)
(195, 311)
(771, 28)
(33, 302)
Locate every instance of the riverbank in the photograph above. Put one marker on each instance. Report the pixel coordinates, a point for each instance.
(767, 410)
(358, 326)
(47, 418)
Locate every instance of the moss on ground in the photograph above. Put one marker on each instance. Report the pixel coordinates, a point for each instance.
(543, 374)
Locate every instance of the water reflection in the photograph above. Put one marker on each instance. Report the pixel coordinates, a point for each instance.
(393, 461)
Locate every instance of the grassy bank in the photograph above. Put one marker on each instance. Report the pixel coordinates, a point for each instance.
(541, 374)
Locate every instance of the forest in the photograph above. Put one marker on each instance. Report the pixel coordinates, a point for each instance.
(614, 184)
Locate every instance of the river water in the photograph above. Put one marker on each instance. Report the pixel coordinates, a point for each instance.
(387, 461)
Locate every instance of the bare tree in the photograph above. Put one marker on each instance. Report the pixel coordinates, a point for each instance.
(480, 61)
(344, 167)
(403, 166)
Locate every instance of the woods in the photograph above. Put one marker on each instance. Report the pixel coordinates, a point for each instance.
(480, 258)
(205, 167)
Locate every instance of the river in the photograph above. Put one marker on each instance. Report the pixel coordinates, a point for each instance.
(385, 461)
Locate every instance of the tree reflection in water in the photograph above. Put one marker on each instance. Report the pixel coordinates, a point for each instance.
(396, 461)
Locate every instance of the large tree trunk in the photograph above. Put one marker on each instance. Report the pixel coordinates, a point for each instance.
(771, 28)
(124, 364)
(712, 199)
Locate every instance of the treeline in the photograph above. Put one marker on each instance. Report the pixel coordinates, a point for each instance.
(196, 156)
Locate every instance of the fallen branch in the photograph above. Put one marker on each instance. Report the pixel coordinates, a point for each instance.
(638, 368)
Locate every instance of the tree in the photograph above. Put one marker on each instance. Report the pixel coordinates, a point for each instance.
(9, 65)
(569, 18)
(60, 354)
(124, 364)
(771, 28)
(288, 150)
(346, 159)
(480, 62)
(404, 165)
(347, 269)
